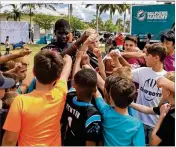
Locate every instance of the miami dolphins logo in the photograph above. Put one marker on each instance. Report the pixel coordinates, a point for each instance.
(141, 15)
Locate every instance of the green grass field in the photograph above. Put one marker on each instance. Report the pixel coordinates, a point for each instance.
(35, 48)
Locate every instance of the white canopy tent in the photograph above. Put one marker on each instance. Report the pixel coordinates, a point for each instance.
(17, 31)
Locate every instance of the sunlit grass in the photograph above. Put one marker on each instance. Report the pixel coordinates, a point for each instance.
(35, 48)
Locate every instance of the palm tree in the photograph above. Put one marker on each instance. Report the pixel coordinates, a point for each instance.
(97, 13)
(127, 23)
(100, 23)
(123, 9)
(119, 24)
(70, 11)
(15, 14)
(30, 7)
(109, 7)
(119, 21)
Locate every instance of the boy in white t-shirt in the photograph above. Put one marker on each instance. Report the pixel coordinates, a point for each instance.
(149, 94)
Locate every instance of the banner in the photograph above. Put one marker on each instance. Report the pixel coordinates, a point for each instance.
(17, 31)
(153, 19)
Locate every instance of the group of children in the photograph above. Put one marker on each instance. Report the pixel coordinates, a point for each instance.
(72, 102)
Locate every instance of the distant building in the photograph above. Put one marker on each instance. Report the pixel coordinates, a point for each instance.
(25, 17)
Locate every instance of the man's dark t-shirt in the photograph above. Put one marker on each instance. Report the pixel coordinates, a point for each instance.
(166, 131)
(53, 46)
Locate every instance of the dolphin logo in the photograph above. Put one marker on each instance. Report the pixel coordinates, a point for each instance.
(141, 15)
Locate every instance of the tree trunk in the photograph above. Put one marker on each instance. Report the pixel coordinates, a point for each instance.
(71, 9)
(45, 32)
(30, 12)
(69, 13)
(97, 15)
(110, 15)
(124, 21)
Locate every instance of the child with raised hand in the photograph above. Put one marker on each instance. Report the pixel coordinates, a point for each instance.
(119, 128)
(163, 134)
(88, 46)
(91, 41)
(149, 94)
(81, 122)
(114, 60)
(80, 118)
(37, 114)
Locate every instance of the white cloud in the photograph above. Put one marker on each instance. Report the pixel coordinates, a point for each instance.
(87, 14)
(79, 10)
(38, 10)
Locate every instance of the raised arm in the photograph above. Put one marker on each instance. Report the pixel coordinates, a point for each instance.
(165, 83)
(26, 82)
(100, 82)
(14, 70)
(72, 50)
(67, 68)
(97, 94)
(142, 108)
(123, 62)
(114, 55)
(89, 40)
(4, 59)
(101, 66)
(133, 54)
(76, 66)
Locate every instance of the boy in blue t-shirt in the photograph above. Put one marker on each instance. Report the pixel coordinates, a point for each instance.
(119, 128)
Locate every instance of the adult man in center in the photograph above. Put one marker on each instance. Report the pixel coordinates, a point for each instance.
(61, 31)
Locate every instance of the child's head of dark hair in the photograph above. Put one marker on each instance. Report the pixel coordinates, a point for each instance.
(85, 82)
(61, 23)
(122, 92)
(157, 49)
(111, 49)
(131, 38)
(169, 36)
(8, 99)
(48, 66)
